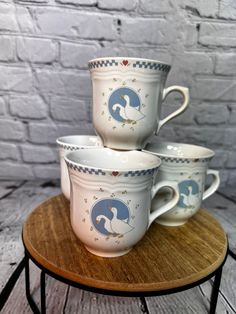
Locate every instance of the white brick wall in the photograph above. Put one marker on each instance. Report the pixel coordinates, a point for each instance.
(45, 89)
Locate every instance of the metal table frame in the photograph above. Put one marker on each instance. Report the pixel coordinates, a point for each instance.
(44, 271)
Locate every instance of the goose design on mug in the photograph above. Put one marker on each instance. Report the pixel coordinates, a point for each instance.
(111, 217)
(127, 99)
(186, 165)
(125, 106)
(189, 194)
(110, 201)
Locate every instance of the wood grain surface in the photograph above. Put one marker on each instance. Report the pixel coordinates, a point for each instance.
(17, 200)
(165, 258)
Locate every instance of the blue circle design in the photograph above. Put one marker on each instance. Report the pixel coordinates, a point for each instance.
(102, 208)
(116, 98)
(183, 189)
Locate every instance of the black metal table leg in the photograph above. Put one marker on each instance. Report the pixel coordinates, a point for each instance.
(44, 271)
(31, 301)
(215, 291)
(43, 294)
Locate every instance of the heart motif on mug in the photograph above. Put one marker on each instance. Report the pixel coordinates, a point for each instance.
(125, 62)
(115, 173)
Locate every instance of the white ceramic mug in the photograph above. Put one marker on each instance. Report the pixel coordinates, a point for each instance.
(127, 98)
(187, 165)
(70, 143)
(111, 194)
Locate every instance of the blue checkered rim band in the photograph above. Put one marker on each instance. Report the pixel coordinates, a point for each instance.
(101, 172)
(136, 64)
(139, 172)
(152, 66)
(68, 147)
(86, 170)
(183, 160)
(102, 63)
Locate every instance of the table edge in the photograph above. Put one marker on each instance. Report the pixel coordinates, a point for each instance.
(114, 286)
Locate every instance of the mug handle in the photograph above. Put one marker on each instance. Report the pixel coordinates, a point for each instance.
(214, 185)
(185, 93)
(169, 205)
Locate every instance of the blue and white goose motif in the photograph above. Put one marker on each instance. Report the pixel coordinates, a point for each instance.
(189, 194)
(124, 105)
(128, 113)
(111, 217)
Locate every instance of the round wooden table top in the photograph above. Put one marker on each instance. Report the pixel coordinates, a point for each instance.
(166, 258)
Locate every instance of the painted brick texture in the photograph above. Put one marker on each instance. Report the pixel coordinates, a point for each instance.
(45, 88)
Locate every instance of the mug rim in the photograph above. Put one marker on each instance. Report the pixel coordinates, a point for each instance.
(156, 161)
(153, 147)
(129, 58)
(61, 141)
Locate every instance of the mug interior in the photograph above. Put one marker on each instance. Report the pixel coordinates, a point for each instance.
(79, 140)
(108, 159)
(179, 150)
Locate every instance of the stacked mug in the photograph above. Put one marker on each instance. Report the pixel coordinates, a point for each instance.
(119, 182)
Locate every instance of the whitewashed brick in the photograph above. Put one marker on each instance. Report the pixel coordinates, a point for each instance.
(42, 133)
(189, 63)
(2, 106)
(224, 177)
(232, 118)
(151, 31)
(15, 18)
(36, 50)
(226, 64)
(229, 139)
(30, 107)
(219, 160)
(34, 1)
(9, 151)
(69, 109)
(207, 8)
(76, 24)
(213, 89)
(117, 5)
(37, 154)
(24, 19)
(78, 2)
(227, 9)
(7, 18)
(64, 82)
(190, 34)
(176, 32)
(186, 118)
(11, 130)
(153, 6)
(76, 129)
(232, 178)
(15, 171)
(200, 135)
(231, 162)
(211, 114)
(7, 51)
(139, 50)
(77, 55)
(15, 79)
(218, 34)
(47, 171)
